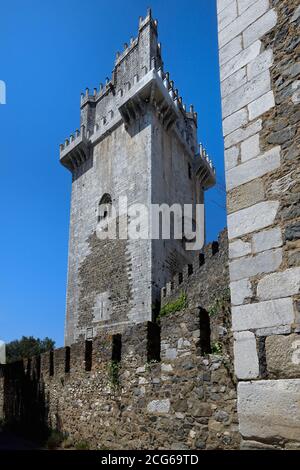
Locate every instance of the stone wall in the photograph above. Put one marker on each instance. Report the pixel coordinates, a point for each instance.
(163, 394)
(259, 49)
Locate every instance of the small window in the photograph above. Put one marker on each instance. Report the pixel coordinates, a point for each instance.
(88, 355)
(201, 259)
(214, 248)
(104, 208)
(189, 171)
(190, 269)
(180, 278)
(51, 363)
(116, 348)
(67, 359)
(205, 346)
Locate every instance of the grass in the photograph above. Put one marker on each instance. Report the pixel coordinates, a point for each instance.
(174, 306)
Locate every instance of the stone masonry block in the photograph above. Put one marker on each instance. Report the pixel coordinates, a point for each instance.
(250, 148)
(267, 314)
(159, 406)
(243, 21)
(240, 290)
(249, 266)
(227, 15)
(231, 157)
(261, 105)
(245, 196)
(240, 60)
(246, 364)
(239, 248)
(260, 27)
(268, 409)
(242, 134)
(252, 218)
(266, 240)
(260, 64)
(222, 4)
(236, 120)
(230, 50)
(244, 4)
(247, 93)
(233, 82)
(281, 284)
(283, 356)
(253, 168)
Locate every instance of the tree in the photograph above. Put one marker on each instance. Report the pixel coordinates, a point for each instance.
(27, 346)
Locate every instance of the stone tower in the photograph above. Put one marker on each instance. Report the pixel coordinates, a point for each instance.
(136, 140)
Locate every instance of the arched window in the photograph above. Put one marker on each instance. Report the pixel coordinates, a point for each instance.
(104, 208)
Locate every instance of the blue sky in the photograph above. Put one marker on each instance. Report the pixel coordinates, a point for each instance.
(50, 51)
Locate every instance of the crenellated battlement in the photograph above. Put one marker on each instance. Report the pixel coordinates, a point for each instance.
(205, 279)
(138, 82)
(116, 390)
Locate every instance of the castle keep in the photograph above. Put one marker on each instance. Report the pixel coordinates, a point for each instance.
(219, 367)
(136, 140)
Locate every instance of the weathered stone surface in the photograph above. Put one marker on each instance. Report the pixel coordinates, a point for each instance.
(253, 168)
(233, 82)
(240, 60)
(222, 4)
(255, 445)
(274, 330)
(280, 137)
(245, 196)
(231, 157)
(281, 284)
(268, 409)
(2, 352)
(240, 290)
(250, 148)
(227, 15)
(267, 314)
(249, 266)
(260, 64)
(239, 248)
(230, 50)
(244, 4)
(242, 21)
(260, 27)
(245, 355)
(242, 134)
(296, 14)
(135, 405)
(236, 120)
(253, 218)
(292, 232)
(283, 356)
(247, 93)
(261, 105)
(159, 406)
(266, 239)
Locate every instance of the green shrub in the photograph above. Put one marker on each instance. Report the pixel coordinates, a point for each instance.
(82, 445)
(216, 348)
(220, 303)
(113, 373)
(172, 307)
(55, 439)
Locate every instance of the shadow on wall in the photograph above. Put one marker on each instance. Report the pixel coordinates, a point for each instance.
(25, 403)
